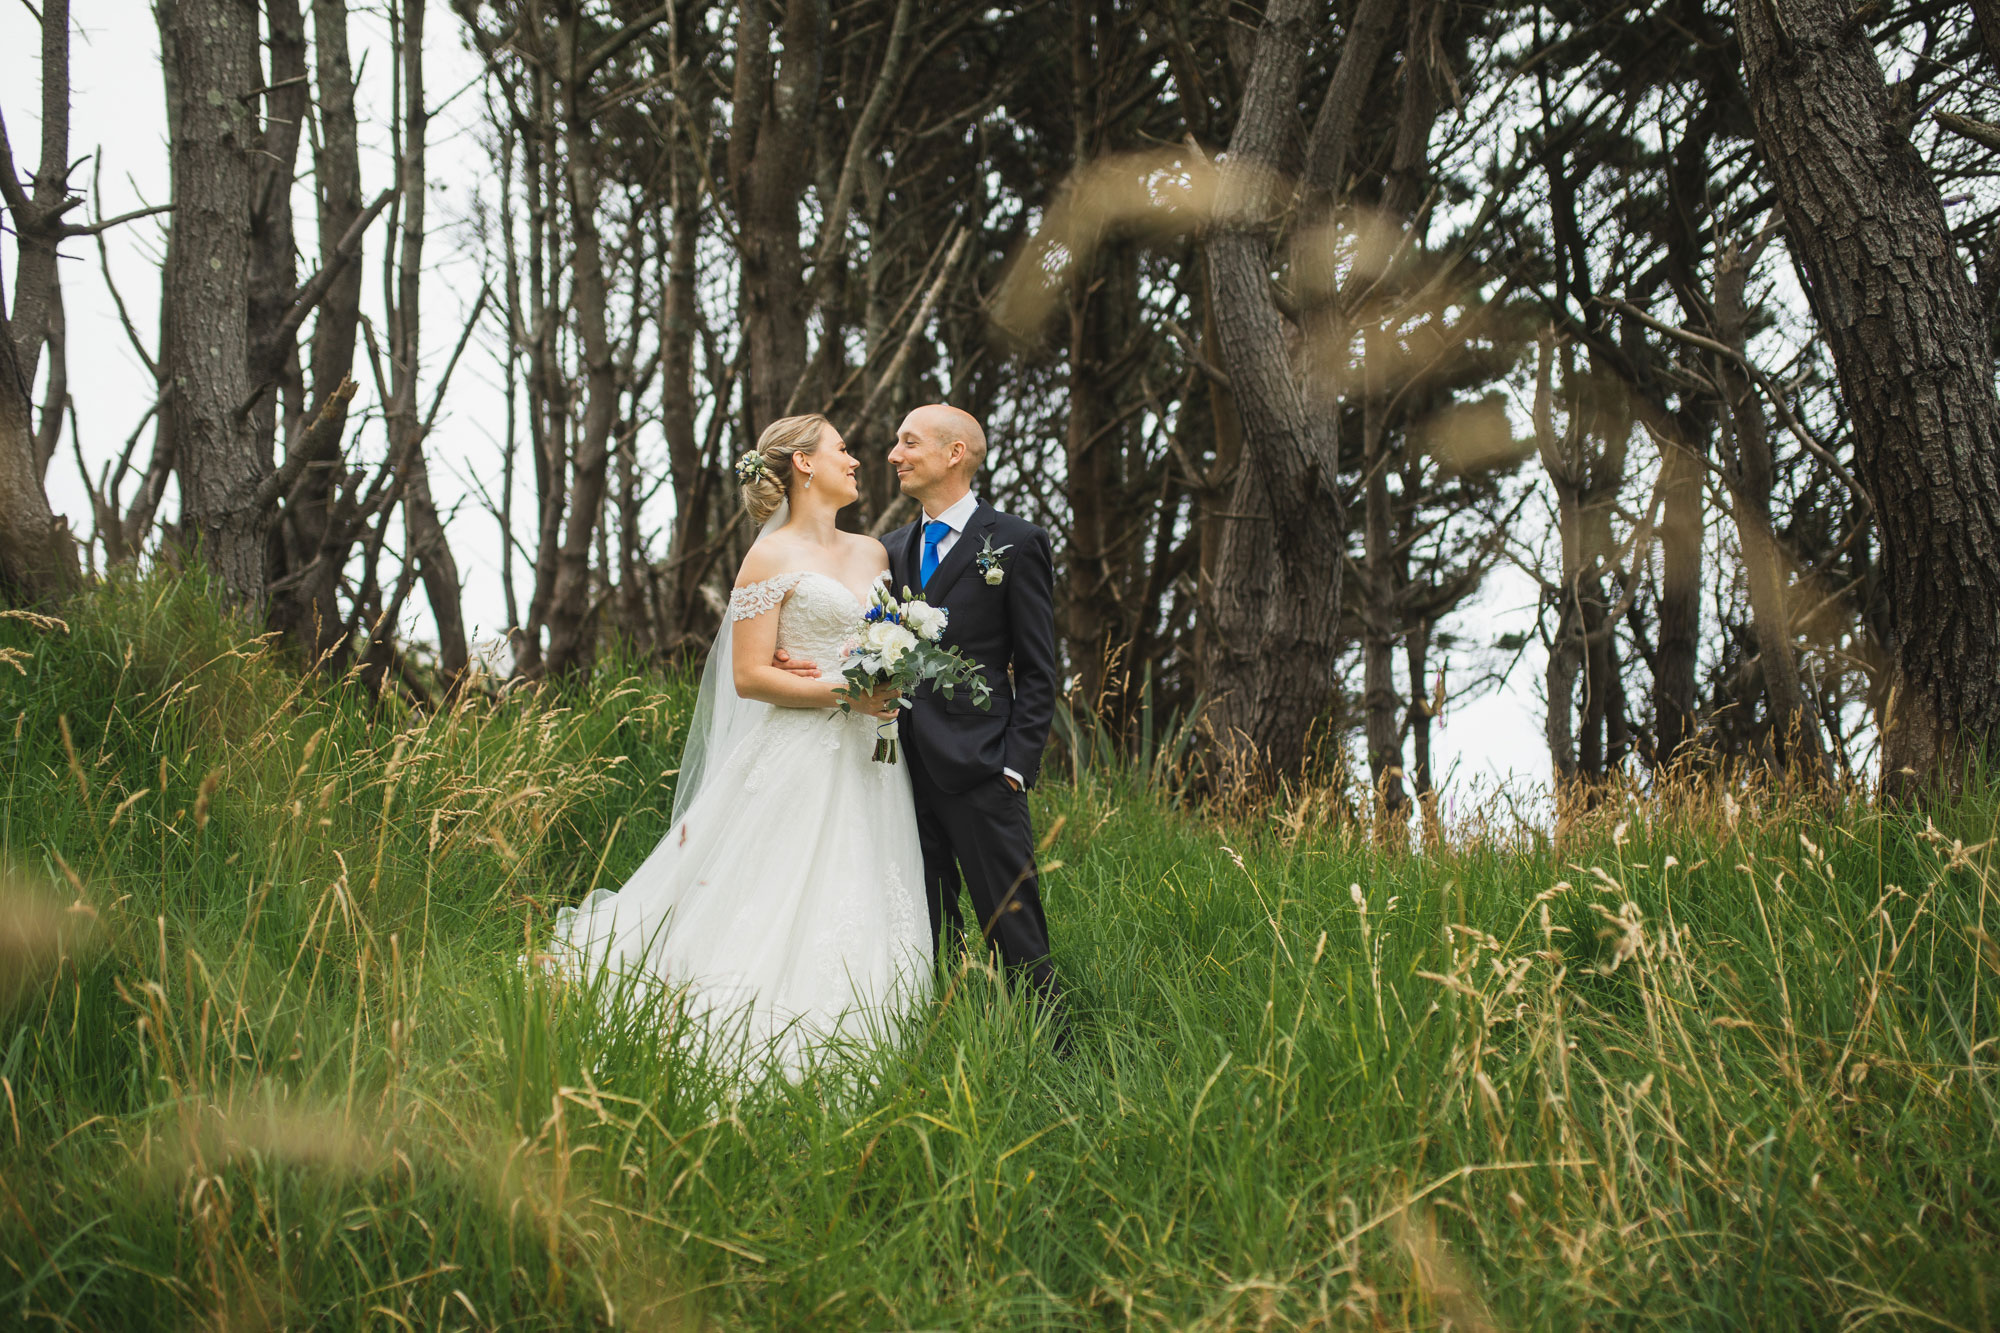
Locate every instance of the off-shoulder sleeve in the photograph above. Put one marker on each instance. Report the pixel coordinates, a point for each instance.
(754, 599)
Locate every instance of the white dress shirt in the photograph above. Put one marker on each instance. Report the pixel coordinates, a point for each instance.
(958, 516)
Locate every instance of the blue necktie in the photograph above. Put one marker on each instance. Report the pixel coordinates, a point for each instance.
(934, 532)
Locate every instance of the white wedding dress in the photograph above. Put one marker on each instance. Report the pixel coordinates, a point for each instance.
(786, 902)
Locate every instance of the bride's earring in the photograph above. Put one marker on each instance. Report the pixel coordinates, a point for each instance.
(809, 481)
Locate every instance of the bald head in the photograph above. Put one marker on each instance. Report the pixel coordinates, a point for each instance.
(946, 425)
(939, 450)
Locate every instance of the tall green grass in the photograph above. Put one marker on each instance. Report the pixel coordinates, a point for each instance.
(268, 1058)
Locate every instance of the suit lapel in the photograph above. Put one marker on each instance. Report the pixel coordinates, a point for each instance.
(961, 553)
(902, 573)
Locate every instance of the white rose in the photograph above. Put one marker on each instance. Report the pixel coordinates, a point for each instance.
(994, 575)
(887, 641)
(925, 619)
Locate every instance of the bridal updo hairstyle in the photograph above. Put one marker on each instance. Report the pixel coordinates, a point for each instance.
(767, 488)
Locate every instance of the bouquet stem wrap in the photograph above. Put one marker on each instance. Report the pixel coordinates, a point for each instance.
(887, 750)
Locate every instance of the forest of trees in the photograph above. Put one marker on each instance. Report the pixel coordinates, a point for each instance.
(1291, 321)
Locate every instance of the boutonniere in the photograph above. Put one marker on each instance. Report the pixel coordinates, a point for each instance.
(991, 567)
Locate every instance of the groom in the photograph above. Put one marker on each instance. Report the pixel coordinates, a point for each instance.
(970, 768)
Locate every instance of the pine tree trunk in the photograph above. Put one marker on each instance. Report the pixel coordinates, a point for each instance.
(1274, 609)
(1385, 563)
(1675, 724)
(315, 534)
(679, 312)
(1416, 648)
(212, 47)
(1751, 471)
(1868, 233)
(1684, 454)
(38, 226)
(274, 368)
(37, 556)
(427, 543)
(1566, 643)
(1106, 554)
(547, 390)
(572, 639)
(770, 163)
(1377, 603)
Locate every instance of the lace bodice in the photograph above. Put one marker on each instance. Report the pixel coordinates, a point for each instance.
(818, 614)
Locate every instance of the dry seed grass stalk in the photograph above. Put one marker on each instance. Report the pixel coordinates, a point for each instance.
(1728, 1059)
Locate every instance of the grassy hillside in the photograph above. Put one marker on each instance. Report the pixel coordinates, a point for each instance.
(269, 1059)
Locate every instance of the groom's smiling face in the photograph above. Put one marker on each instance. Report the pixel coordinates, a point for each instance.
(922, 464)
(936, 454)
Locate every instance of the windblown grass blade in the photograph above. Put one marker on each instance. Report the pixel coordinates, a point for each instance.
(1719, 1056)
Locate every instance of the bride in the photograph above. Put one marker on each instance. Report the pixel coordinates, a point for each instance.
(786, 900)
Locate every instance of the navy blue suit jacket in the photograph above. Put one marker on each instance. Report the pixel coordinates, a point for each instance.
(1008, 629)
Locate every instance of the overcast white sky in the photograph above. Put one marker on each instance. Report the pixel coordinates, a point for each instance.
(118, 119)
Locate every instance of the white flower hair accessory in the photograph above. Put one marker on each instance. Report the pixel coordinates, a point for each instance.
(750, 467)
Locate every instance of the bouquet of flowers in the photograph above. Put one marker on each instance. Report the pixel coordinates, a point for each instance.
(898, 646)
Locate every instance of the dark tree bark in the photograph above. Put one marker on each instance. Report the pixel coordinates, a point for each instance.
(1274, 597)
(38, 218)
(205, 360)
(316, 530)
(776, 97)
(1685, 442)
(38, 557)
(1566, 643)
(1986, 16)
(1424, 706)
(847, 173)
(1868, 232)
(682, 623)
(1585, 462)
(1106, 567)
(551, 63)
(275, 374)
(1751, 473)
(1378, 592)
(570, 638)
(1384, 563)
(408, 427)
(1605, 737)
(1676, 723)
(533, 319)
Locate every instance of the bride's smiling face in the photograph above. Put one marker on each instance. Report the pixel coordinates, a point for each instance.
(833, 468)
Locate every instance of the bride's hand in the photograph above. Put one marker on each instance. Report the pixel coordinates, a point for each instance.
(880, 702)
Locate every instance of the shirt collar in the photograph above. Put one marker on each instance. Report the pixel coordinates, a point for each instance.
(959, 514)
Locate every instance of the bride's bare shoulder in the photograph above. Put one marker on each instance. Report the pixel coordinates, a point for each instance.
(866, 550)
(768, 558)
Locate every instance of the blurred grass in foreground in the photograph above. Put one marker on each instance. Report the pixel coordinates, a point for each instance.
(268, 1059)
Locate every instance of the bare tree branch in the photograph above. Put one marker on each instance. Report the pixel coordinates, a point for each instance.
(621, 39)
(99, 228)
(1985, 135)
(1764, 382)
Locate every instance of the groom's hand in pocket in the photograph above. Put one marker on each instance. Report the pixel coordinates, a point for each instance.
(803, 666)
